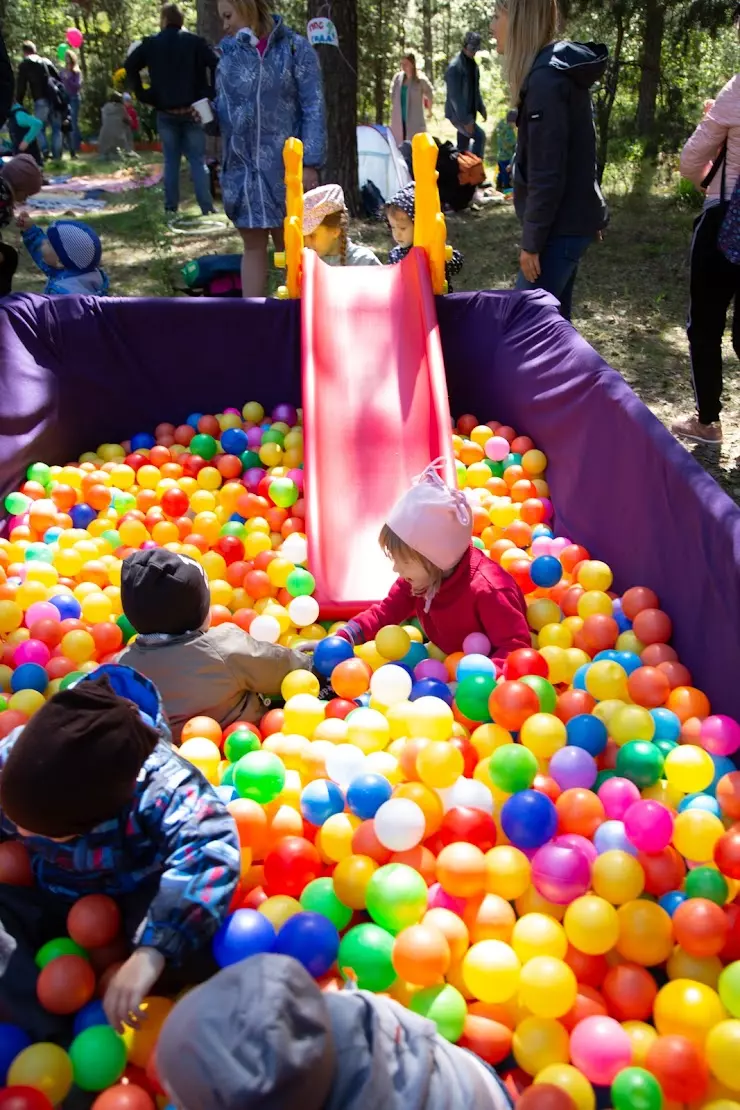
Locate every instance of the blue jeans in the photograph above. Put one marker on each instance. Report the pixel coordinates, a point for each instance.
(503, 180)
(42, 110)
(180, 136)
(74, 138)
(478, 137)
(559, 267)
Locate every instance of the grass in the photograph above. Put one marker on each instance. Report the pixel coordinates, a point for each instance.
(631, 295)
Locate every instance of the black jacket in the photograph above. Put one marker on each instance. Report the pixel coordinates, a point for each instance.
(464, 100)
(181, 66)
(33, 77)
(7, 83)
(555, 187)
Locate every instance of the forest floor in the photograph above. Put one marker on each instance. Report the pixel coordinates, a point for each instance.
(631, 295)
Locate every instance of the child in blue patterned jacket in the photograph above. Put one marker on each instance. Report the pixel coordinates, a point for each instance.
(69, 254)
(103, 804)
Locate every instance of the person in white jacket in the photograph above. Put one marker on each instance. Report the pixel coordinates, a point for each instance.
(713, 150)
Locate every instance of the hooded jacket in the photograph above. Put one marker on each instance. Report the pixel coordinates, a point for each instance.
(720, 125)
(556, 191)
(261, 1035)
(464, 101)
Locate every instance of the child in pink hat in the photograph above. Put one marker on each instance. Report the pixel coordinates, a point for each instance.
(450, 585)
(326, 226)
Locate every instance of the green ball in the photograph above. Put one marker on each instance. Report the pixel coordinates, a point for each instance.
(641, 762)
(16, 503)
(227, 778)
(112, 538)
(478, 542)
(512, 768)
(472, 694)
(60, 946)
(126, 627)
(240, 742)
(273, 435)
(38, 553)
(545, 691)
(250, 459)
(729, 988)
(636, 1089)
(445, 1006)
(496, 468)
(284, 492)
(39, 472)
(601, 778)
(260, 776)
(300, 583)
(365, 955)
(204, 445)
(396, 897)
(319, 897)
(123, 501)
(3, 704)
(665, 746)
(705, 882)
(98, 1058)
(70, 679)
(233, 528)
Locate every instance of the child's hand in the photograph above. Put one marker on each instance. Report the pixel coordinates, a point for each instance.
(130, 985)
(24, 221)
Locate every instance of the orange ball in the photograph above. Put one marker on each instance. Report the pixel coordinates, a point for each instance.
(351, 678)
(452, 927)
(728, 795)
(489, 918)
(421, 955)
(649, 687)
(491, 1040)
(700, 927)
(629, 992)
(687, 701)
(94, 921)
(579, 811)
(124, 1096)
(202, 727)
(65, 985)
(461, 870)
(251, 825)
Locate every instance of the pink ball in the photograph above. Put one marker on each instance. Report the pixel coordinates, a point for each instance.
(616, 796)
(560, 873)
(541, 545)
(649, 825)
(497, 448)
(431, 668)
(31, 651)
(254, 437)
(600, 1048)
(547, 505)
(438, 899)
(558, 546)
(476, 644)
(297, 478)
(580, 843)
(720, 735)
(41, 611)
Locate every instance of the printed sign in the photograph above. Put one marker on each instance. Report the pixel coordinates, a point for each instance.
(322, 32)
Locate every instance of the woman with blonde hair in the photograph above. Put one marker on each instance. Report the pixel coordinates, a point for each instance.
(411, 95)
(556, 190)
(268, 87)
(72, 81)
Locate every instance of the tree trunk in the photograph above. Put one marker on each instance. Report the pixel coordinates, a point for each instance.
(208, 23)
(339, 70)
(426, 22)
(605, 102)
(650, 64)
(379, 64)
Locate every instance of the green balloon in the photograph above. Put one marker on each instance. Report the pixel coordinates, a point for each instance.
(396, 897)
(472, 694)
(705, 882)
(260, 776)
(240, 742)
(729, 988)
(319, 897)
(545, 691)
(641, 762)
(60, 946)
(204, 445)
(300, 583)
(98, 1058)
(365, 955)
(250, 459)
(636, 1089)
(62, 51)
(39, 472)
(16, 503)
(512, 768)
(445, 1006)
(126, 627)
(284, 492)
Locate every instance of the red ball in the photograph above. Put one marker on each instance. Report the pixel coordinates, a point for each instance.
(629, 992)
(231, 547)
(47, 631)
(291, 865)
(94, 921)
(124, 1096)
(680, 1068)
(571, 703)
(636, 599)
(545, 1096)
(519, 571)
(731, 949)
(468, 752)
(511, 703)
(471, 826)
(24, 1098)
(59, 666)
(272, 722)
(175, 503)
(524, 661)
(15, 864)
(652, 626)
(599, 633)
(108, 638)
(664, 871)
(209, 426)
(727, 853)
(65, 985)
(649, 687)
(11, 718)
(700, 927)
(191, 466)
(728, 795)
(340, 708)
(491, 1040)
(589, 970)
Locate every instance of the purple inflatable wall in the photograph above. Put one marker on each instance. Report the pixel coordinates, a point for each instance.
(76, 372)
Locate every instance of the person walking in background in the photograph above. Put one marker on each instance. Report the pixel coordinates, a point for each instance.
(711, 158)
(24, 130)
(35, 76)
(182, 68)
(411, 96)
(505, 149)
(269, 89)
(464, 101)
(72, 81)
(556, 191)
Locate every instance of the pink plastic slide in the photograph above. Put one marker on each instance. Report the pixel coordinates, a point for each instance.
(376, 414)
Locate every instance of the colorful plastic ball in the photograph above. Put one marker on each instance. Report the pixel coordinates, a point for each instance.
(512, 768)
(400, 824)
(560, 874)
(636, 1089)
(260, 776)
(511, 703)
(728, 988)
(573, 767)
(29, 676)
(720, 735)
(60, 946)
(547, 987)
(320, 800)
(617, 795)
(688, 768)
(618, 877)
(366, 794)
(722, 1048)
(641, 762)
(244, 933)
(366, 955)
(445, 1006)
(91, 1014)
(587, 732)
(696, 833)
(330, 652)
(290, 865)
(649, 825)
(23, 1098)
(311, 939)
(645, 933)
(679, 1066)
(94, 921)
(319, 897)
(538, 1042)
(529, 819)
(700, 927)
(396, 897)
(473, 664)
(600, 1048)
(473, 694)
(421, 955)
(591, 925)
(65, 985)
(491, 971)
(546, 571)
(44, 1066)
(391, 684)
(98, 1057)
(13, 1040)
(727, 852)
(343, 764)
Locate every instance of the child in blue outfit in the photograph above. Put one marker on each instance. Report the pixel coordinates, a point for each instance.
(94, 790)
(69, 254)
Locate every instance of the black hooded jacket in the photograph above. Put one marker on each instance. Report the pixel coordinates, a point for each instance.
(555, 187)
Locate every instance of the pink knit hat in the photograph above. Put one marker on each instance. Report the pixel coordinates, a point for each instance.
(319, 203)
(434, 519)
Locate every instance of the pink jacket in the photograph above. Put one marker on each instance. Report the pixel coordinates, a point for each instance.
(720, 124)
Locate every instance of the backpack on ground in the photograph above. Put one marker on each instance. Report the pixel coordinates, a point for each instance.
(456, 190)
(373, 200)
(214, 275)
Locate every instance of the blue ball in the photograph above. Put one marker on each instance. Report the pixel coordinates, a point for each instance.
(579, 678)
(415, 655)
(628, 661)
(234, 441)
(29, 676)
(363, 700)
(367, 793)
(244, 933)
(700, 801)
(320, 800)
(431, 688)
(91, 1014)
(51, 535)
(587, 732)
(667, 724)
(624, 624)
(541, 530)
(611, 837)
(82, 515)
(671, 901)
(723, 765)
(474, 664)
(193, 419)
(68, 606)
(310, 938)
(529, 819)
(142, 439)
(12, 1041)
(512, 459)
(330, 652)
(546, 571)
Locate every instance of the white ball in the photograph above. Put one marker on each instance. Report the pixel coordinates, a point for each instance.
(303, 611)
(295, 549)
(265, 628)
(390, 684)
(467, 792)
(344, 763)
(400, 824)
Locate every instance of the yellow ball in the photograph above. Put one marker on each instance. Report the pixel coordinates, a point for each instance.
(508, 872)
(439, 764)
(688, 1009)
(11, 616)
(536, 934)
(279, 571)
(430, 718)
(46, 1068)
(633, 723)
(544, 734)
(393, 642)
(617, 877)
(487, 738)
(593, 602)
(270, 454)
(68, 562)
(368, 729)
(351, 878)
(642, 1037)
(28, 593)
(255, 543)
(595, 575)
(539, 1042)
(253, 412)
(689, 768)
(547, 987)
(570, 1080)
(543, 613)
(133, 533)
(502, 513)
(591, 924)
(303, 714)
(78, 645)
(209, 478)
(214, 565)
(477, 475)
(558, 668)
(204, 755)
(534, 462)
(279, 909)
(44, 573)
(575, 658)
(491, 971)
(606, 679)
(627, 641)
(334, 839)
(122, 476)
(704, 969)
(695, 833)
(300, 682)
(96, 608)
(555, 635)
(26, 701)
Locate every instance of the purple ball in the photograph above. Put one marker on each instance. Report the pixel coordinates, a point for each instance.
(286, 414)
(580, 843)
(476, 643)
(431, 668)
(297, 478)
(252, 478)
(560, 874)
(254, 437)
(572, 766)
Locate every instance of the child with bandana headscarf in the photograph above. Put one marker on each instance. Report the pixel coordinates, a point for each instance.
(401, 212)
(326, 226)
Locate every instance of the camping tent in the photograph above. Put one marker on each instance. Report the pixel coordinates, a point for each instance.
(380, 160)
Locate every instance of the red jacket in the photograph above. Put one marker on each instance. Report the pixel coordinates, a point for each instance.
(479, 596)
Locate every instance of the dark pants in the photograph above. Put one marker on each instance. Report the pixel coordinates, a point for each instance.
(559, 268)
(182, 137)
(478, 138)
(503, 179)
(715, 283)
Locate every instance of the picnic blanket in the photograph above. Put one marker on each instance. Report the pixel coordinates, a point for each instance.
(53, 202)
(119, 182)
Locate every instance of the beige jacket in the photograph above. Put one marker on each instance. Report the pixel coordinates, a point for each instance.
(220, 673)
(419, 90)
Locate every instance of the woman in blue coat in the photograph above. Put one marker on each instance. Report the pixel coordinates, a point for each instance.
(268, 89)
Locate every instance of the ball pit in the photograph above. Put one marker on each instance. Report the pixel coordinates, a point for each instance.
(543, 861)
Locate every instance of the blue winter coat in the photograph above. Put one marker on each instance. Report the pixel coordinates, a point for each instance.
(261, 102)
